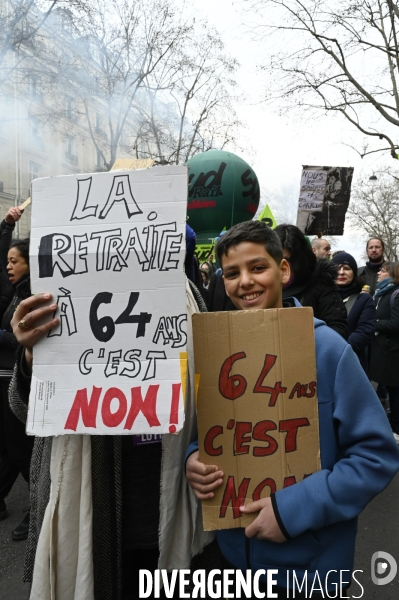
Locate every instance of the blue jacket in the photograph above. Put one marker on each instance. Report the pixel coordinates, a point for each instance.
(359, 457)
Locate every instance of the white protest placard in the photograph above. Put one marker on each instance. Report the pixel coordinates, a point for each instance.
(110, 247)
(313, 186)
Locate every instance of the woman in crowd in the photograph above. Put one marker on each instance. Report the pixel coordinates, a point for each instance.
(384, 348)
(205, 277)
(94, 524)
(359, 307)
(312, 281)
(208, 267)
(15, 445)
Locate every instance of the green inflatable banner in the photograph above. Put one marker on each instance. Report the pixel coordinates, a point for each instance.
(223, 190)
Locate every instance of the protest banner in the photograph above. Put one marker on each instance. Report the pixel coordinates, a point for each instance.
(110, 248)
(324, 199)
(257, 405)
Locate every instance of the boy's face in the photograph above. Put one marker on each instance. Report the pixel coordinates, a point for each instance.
(252, 278)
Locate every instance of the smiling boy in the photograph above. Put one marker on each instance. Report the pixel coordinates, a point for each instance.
(309, 528)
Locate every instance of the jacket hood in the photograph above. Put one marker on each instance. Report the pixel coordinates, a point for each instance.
(326, 271)
(22, 286)
(294, 302)
(324, 275)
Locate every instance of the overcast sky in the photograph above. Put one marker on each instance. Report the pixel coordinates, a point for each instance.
(282, 145)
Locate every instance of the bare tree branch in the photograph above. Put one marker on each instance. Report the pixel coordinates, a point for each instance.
(374, 211)
(344, 58)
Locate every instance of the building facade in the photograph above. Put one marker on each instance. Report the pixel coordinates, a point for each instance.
(48, 127)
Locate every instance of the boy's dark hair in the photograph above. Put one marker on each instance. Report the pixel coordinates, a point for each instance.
(375, 238)
(302, 260)
(250, 231)
(23, 248)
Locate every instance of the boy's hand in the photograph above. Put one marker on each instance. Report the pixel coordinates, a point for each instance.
(203, 478)
(265, 526)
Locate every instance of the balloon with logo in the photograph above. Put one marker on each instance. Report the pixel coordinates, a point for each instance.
(223, 190)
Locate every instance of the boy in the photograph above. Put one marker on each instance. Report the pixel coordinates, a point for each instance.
(308, 529)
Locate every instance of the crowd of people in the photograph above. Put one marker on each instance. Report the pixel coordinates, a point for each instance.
(90, 530)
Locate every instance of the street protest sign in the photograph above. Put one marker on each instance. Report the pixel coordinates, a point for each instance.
(323, 199)
(131, 164)
(257, 405)
(110, 248)
(313, 187)
(268, 217)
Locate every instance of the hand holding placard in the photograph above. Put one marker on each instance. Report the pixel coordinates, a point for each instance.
(204, 479)
(265, 526)
(33, 311)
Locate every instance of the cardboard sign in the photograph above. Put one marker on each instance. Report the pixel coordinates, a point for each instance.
(313, 187)
(131, 164)
(324, 199)
(25, 204)
(110, 248)
(257, 405)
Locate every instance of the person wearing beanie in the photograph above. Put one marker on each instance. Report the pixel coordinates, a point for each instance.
(359, 307)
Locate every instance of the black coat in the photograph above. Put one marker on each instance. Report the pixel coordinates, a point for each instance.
(384, 348)
(370, 272)
(321, 293)
(361, 326)
(6, 288)
(8, 341)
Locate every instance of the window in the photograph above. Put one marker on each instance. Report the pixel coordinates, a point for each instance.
(66, 24)
(69, 106)
(99, 120)
(95, 53)
(124, 138)
(34, 170)
(34, 88)
(34, 133)
(27, 28)
(70, 148)
(143, 150)
(99, 160)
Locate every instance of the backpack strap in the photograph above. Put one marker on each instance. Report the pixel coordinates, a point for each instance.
(351, 301)
(392, 298)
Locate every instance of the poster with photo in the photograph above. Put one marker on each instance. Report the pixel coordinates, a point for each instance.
(324, 199)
